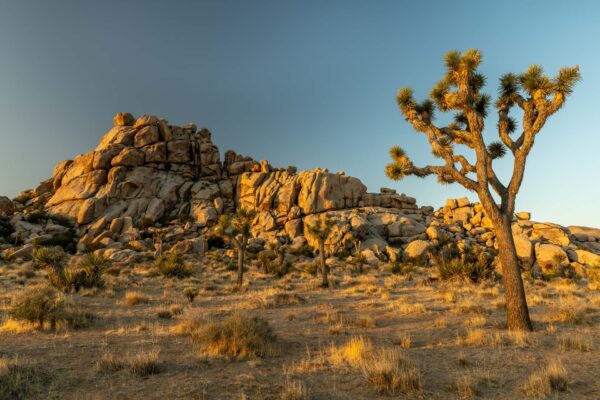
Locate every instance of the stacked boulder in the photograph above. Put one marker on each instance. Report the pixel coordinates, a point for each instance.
(150, 184)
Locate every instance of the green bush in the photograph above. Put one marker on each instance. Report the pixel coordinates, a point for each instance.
(470, 263)
(39, 305)
(172, 265)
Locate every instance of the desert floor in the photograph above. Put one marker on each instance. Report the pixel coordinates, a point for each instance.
(453, 333)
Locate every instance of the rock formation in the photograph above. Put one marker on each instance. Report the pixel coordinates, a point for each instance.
(148, 178)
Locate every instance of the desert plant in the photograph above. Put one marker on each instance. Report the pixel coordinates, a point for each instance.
(320, 231)
(264, 259)
(133, 298)
(389, 371)
(235, 336)
(549, 379)
(172, 265)
(470, 263)
(280, 247)
(20, 380)
(39, 305)
(537, 95)
(190, 293)
(237, 229)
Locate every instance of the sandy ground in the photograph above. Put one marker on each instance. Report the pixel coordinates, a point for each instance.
(452, 332)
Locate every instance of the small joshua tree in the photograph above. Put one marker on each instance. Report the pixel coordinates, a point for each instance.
(280, 246)
(537, 95)
(237, 229)
(320, 230)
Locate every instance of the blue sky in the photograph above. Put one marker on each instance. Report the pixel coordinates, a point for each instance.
(305, 83)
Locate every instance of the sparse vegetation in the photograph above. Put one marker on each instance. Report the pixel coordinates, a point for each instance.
(235, 336)
(191, 293)
(21, 380)
(551, 378)
(172, 265)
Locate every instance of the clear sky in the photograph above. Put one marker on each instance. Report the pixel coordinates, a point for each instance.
(305, 83)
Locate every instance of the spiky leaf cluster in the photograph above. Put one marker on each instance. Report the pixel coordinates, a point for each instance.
(321, 228)
(400, 165)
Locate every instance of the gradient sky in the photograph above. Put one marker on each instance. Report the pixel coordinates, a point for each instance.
(305, 83)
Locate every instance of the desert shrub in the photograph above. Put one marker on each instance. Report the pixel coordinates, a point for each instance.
(265, 259)
(190, 293)
(38, 305)
(45, 304)
(469, 264)
(281, 270)
(311, 268)
(215, 242)
(20, 380)
(172, 265)
(235, 336)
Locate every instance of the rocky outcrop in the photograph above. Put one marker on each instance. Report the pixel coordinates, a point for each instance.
(150, 184)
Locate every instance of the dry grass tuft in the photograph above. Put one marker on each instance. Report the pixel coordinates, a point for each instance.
(293, 390)
(575, 342)
(235, 336)
(20, 380)
(552, 378)
(479, 337)
(390, 372)
(404, 340)
(15, 326)
(464, 386)
(133, 298)
(353, 352)
(141, 364)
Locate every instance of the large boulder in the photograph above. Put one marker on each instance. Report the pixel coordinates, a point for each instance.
(417, 248)
(550, 256)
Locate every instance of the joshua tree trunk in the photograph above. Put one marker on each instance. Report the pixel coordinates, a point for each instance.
(241, 251)
(516, 303)
(324, 279)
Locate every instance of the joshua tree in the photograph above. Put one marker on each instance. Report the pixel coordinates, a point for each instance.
(320, 230)
(279, 247)
(237, 229)
(537, 95)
